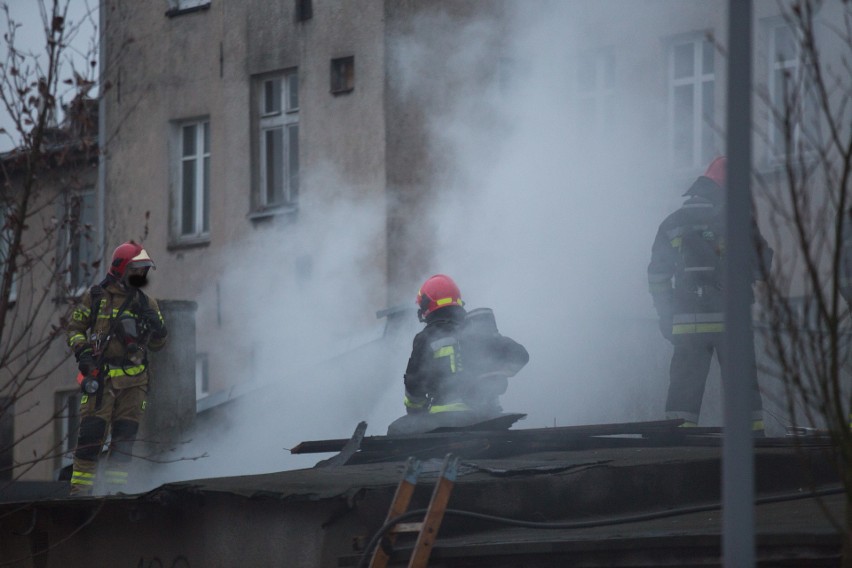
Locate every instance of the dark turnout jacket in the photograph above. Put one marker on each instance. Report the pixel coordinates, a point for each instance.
(450, 352)
(685, 275)
(104, 335)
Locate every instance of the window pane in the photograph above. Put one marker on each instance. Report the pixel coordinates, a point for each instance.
(188, 201)
(293, 161)
(68, 417)
(205, 214)
(7, 436)
(684, 61)
(708, 134)
(683, 127)
(785, 47)
(83, 219)
(292, 91)
(189, 140)
(709, 59)
(272, 96)
(206, 135)
(274, 147)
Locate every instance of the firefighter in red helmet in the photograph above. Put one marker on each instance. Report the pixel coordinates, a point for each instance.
(459, 361)
(111, 332)
(685, 280)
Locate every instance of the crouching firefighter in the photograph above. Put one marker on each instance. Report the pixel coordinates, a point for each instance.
(459, 361)
(111, 331)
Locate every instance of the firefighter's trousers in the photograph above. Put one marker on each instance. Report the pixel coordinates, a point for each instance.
(119, 415)
(688, 372)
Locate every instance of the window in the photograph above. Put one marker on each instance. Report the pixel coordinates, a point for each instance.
(67, 425)
(81, 240)
(304, 10)
(202, 376)
(788, 100)
(278, 144)
(694, 135)
(193, 181)
(7, 436)
(5, 246)
(342, 75)
(596, 92)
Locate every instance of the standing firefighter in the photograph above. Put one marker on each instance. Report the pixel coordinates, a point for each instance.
(685, 279)
(111, 332)
(459, 361)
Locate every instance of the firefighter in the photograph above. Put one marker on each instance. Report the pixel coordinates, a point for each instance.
(111, 331)
(685, 280)
(459, 361)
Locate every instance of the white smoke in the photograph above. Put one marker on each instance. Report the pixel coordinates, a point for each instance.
(547, 223)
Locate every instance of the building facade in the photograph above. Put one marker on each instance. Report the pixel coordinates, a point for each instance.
(296, 166)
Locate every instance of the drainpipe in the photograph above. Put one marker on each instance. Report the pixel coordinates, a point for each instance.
(101, 189)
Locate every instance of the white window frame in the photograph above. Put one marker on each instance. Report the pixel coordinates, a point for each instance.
(776, 65)
(277, 111)
(196, 160)
(72, 241)
(596, 93)
(705, 142)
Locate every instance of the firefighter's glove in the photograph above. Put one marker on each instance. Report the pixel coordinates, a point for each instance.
(85, 361)
(152, 320)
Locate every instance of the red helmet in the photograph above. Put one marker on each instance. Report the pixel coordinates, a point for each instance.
(437, 292)
(129, 255)
(718, 171)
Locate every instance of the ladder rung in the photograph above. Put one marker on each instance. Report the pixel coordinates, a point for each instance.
(407, 528)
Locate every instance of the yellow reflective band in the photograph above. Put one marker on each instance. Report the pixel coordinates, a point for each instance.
(411, 404)
(82, 478)
(444, 301)
(688, 424)
(126, 371)
(757, 425)
(453, 407)
(685, 328)
(144, 404)
(75, 338)
(84, 399)
(447, 351)
(116, 477)
(80, 315)
(676, 242)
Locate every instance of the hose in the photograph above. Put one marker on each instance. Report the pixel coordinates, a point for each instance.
(367, 554)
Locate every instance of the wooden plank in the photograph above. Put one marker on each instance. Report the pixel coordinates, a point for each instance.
(535, 437)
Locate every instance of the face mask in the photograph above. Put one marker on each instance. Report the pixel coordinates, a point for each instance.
(137, 280)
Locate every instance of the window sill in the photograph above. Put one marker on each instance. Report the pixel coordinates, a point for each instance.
(270, 212)
(188, 242)
(173, 12)
(338, 92)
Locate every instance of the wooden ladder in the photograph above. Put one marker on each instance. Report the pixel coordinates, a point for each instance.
(427, 529)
